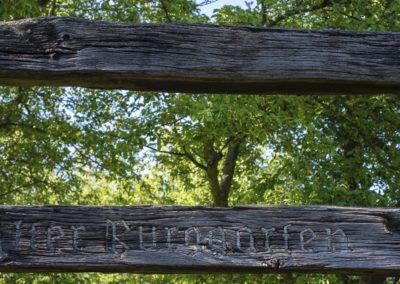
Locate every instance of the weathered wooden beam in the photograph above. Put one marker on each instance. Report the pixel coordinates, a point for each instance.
(197, 58)
(199, 239)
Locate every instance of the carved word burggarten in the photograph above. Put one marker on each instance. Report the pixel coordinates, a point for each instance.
(118, 236)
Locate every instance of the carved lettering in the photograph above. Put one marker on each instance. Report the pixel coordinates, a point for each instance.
(114, 237)
(304, 242)
(75, 230)
(17, 234)
(187, 235)
(330, 239)
(51, 238)
(251, 240)
(33, 236)
(169, 233)
(153, 234)
(285, 236)
(211, 238)
(267, 234)
(216, 238)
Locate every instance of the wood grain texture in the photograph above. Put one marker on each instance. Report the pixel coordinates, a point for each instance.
(199, 239)
(197, 58)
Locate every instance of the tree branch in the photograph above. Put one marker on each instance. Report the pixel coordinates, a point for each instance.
(299, 10)
(164, 8)
(26, 185)
(184, 154)
(165, 152)
(194, 161)
(353, 17)
(206, 2)
(6, 123)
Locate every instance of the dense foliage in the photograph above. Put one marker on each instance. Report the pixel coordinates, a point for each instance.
(81, 146)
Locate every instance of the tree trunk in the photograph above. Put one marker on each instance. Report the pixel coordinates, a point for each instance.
(212, 158)
(220, 186)
(229, 169)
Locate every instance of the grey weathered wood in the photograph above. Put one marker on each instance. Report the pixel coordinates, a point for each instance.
(197, 58)
(136, 239)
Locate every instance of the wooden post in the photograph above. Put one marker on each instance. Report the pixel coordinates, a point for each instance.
(197, 58)
(199, 239)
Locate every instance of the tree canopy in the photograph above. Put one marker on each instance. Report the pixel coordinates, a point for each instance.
(86, 146)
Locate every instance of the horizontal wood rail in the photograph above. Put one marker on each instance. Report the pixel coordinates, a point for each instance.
(197, 58)
(199, 239)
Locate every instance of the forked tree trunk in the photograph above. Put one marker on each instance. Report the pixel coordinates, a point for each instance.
(220, 183)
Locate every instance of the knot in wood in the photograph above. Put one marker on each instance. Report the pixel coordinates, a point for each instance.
(64, 37)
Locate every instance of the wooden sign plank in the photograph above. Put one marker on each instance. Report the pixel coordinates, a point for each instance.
(197, 58)
(199, 239)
